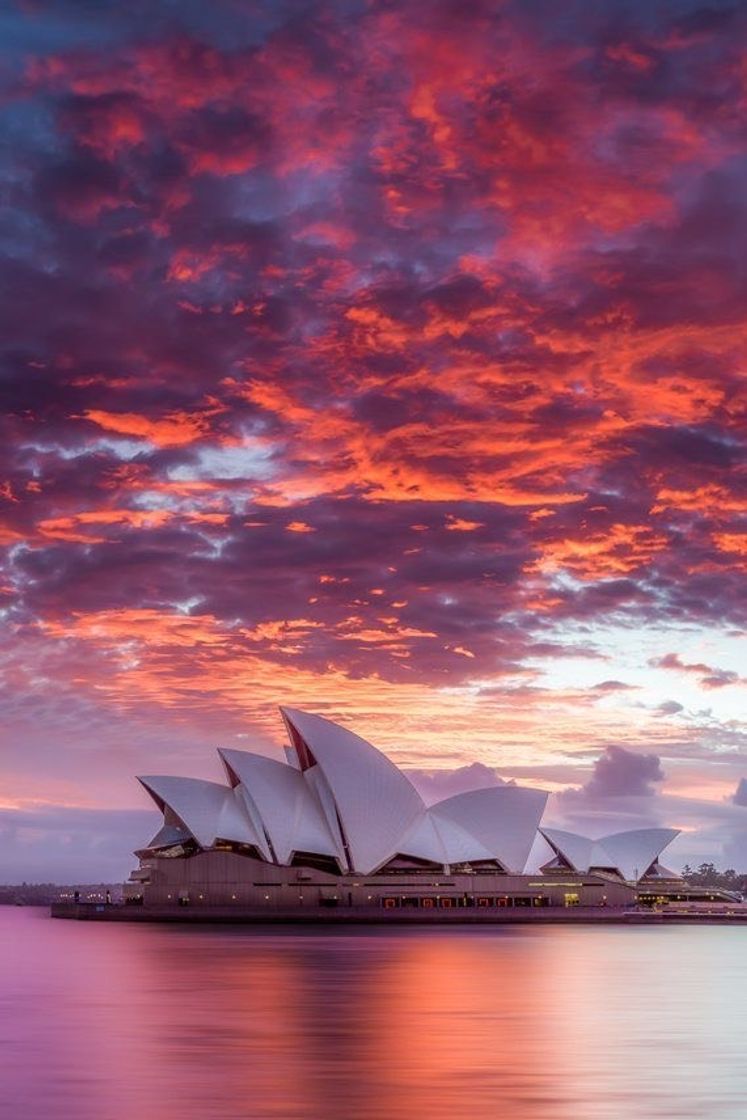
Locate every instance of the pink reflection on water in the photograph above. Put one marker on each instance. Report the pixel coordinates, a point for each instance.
(113, 1022)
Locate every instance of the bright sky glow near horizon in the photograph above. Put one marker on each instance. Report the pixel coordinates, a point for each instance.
(386, 361)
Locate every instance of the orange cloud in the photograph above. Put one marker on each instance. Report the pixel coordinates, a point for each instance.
(172, 431)
(172, 661)
(462, 524)
(710, 498)
(731, 542)
(9, 536)
(619, 550)
(69, 528)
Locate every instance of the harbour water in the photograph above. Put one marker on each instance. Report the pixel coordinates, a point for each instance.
(115, 1022)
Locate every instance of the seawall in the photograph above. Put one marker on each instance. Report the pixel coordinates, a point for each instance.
(401, 916)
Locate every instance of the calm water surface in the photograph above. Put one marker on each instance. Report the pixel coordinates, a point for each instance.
(102, 1022)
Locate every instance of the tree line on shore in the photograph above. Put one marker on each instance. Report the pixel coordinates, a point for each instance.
(708, 875)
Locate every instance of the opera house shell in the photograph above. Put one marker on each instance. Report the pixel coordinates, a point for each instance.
(337, 822)
(632, 855)
(339, 800)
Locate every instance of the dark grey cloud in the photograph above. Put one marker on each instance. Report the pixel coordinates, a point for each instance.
(435, 785)
(623, 773)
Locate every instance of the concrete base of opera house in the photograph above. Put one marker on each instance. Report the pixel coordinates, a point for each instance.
(400, 916)
(223, 886)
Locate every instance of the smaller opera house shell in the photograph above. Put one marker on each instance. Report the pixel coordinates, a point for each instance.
(337, 823)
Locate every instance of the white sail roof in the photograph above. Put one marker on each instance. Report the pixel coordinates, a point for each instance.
(423, 841)
(288, 809)
(460, 845)
(575, 850)
(339, 797)
(502, 819)
(319, 787)
(375, 802)
(631, 853)
(169, 835)
(209, 811)
(441, 841)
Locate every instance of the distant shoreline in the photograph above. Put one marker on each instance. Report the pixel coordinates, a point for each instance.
(45, 894)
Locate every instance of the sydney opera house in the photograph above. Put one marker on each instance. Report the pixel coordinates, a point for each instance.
(337, 824)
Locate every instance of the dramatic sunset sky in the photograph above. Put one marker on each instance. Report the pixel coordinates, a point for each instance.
(385, 360)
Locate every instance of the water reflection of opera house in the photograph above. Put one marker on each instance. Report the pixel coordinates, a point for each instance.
(338, 825)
